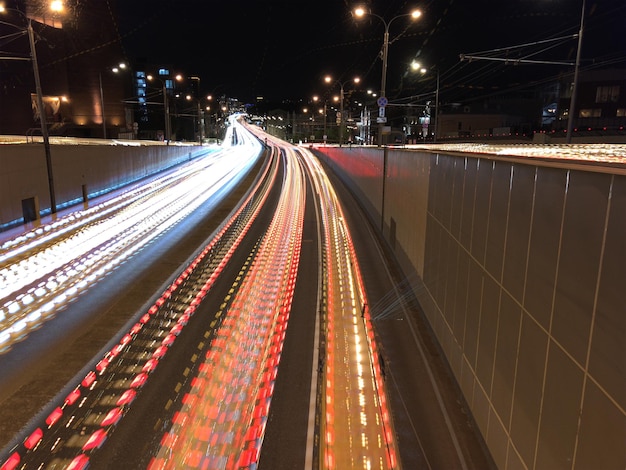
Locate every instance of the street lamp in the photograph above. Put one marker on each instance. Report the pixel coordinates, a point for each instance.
(210, 129)
(168, 124)
(116, 69)
(199, 106)
(572, 103)
(417, 66)
(382, 100)
(56, 6)
(200, 117)
(323, 112)
(329, 79)
(361, 11)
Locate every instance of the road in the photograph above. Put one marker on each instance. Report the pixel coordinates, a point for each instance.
(249, 355)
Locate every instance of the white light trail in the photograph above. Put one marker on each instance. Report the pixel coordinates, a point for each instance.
(42, 270)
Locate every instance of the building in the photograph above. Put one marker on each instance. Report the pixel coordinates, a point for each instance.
(77, 51)
(600, 110)
(600, 105)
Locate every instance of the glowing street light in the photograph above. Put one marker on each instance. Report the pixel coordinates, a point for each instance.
(329, 79)
(199, 111)
(116, 69)
(168, 124)
(418, 67)
(360, 12)
(200, 116)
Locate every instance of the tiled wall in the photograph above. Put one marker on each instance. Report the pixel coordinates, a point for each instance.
(522, 275)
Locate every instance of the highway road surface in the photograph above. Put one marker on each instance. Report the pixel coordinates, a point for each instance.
(225, 315)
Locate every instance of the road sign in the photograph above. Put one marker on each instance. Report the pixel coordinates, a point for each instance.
(381, 120)
(382, 101)
(381, 111)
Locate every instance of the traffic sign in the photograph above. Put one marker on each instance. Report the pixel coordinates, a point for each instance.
(382, 101)
(381, 120)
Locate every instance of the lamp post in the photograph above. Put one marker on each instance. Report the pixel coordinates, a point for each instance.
(201, 122)
(210, 130)
(55, 6)
(315, 100)
(200, 113)
(116, 69)
(362, 11)
(329, 79)
(212, 117)
(168, 130)
(305, 123)
(572, 103)
(422, 70)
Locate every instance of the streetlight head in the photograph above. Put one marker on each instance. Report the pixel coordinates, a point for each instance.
(179, 77)
(357, 80)
(418, 67)
(2, 8)
(56, 6)
(328, 79)
(360, 11)
(150, 77)
(415, 14)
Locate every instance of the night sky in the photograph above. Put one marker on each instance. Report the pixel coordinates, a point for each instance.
(282, 49)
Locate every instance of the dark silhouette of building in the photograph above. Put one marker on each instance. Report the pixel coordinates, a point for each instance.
(600, 103)
(77, 50)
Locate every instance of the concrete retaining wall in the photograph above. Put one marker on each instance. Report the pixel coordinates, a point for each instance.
(77, 170)
(521, 271)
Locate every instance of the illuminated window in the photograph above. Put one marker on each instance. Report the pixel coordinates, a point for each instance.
(164, 72)
(607, 94)
(589, 113)
(621, 112)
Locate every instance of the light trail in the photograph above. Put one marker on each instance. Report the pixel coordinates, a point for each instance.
(222, 423)
(43, 270)
(357, 431)
(595, 153)
(96, 405)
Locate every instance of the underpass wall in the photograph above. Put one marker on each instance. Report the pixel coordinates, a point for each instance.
(78, 171)
(520, 268)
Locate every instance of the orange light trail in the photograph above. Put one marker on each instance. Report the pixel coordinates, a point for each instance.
(222, 422)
